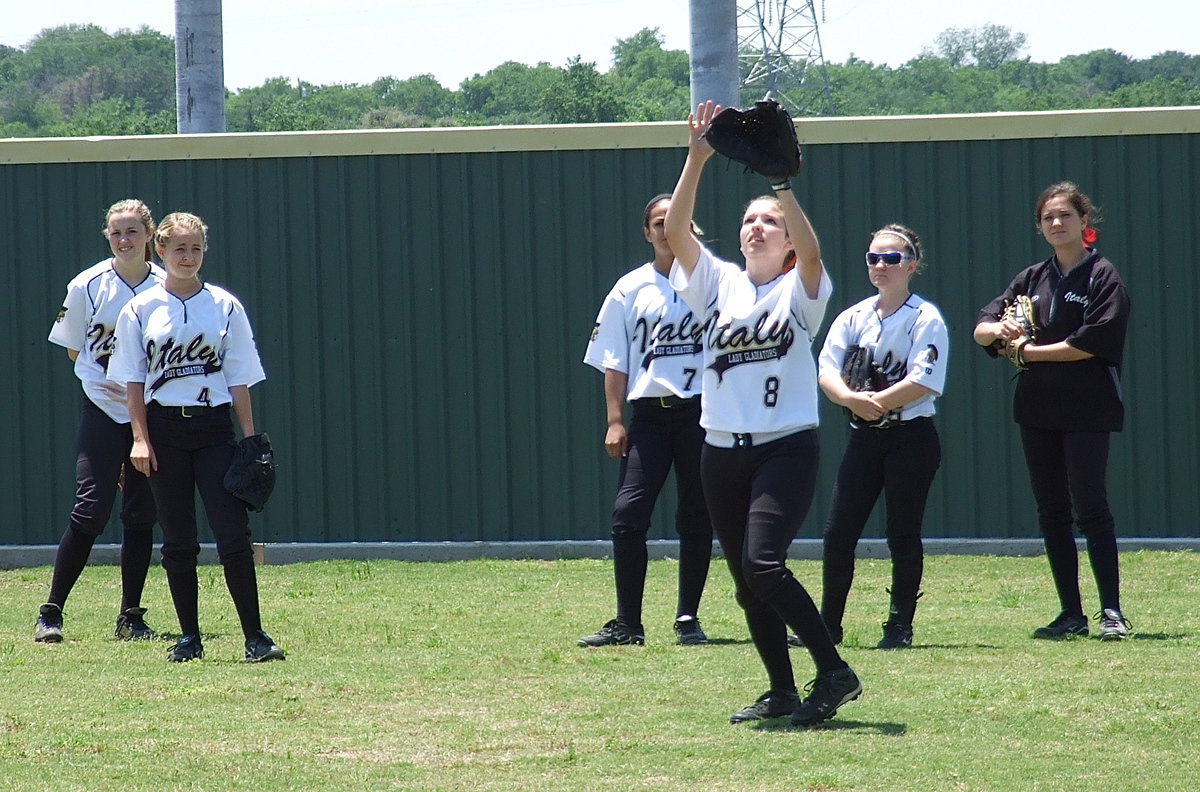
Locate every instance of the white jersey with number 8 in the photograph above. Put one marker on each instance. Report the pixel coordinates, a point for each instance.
(759, 373)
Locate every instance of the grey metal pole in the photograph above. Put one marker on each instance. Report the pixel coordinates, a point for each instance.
(199, 66)
(714, 52)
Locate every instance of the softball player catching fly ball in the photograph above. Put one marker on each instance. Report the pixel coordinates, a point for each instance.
(759, 413)
(646, 342)
(186, 353)
(85, 326)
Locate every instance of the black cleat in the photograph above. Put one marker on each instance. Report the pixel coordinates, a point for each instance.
(131, 625)
(261, 648)
(48, 628)
(896, 635)
(188, 647)
(688, 632)
(1065, 625)
(1113, 625)
(826, 694)
(770, 705)
(614, 633)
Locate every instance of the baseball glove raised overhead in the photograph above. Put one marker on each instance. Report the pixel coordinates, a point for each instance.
(762, 138)
(1021, 311)
(251, 474)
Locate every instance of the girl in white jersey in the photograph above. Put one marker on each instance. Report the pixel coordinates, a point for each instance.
(894, 447)
(759, 412)
(186, 352)
(84, 326)
(646, 342)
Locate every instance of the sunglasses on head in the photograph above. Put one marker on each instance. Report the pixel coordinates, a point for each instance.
(889, 259)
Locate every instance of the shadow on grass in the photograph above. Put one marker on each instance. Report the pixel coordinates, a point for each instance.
(1141, 636)
(785, 725)
(727, 641)
(919, 647)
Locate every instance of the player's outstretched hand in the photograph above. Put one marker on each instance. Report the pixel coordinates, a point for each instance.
(698, 123)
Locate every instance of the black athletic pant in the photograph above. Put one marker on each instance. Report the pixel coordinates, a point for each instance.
(193, 455)
(758, 497)
(103, 447)
(1068, 471)
(900, 461)
(659, 437)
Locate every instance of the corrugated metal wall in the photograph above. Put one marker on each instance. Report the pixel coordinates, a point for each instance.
(422, 299)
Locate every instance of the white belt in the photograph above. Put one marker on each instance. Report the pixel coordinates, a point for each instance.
(748, 439)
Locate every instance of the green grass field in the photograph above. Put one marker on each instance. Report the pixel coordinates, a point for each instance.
(465, 676)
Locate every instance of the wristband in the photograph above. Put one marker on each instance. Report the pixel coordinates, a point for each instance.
(781, 185)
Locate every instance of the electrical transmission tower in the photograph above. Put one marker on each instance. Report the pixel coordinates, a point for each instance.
(779, 54)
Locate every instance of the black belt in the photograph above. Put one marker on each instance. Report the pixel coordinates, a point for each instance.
(671, 402)
(186, 410)
(895, 424)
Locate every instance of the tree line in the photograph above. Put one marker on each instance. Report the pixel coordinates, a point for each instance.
(78, 80)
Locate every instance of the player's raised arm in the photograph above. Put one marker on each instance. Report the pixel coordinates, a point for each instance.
(804, 239)
(683, 200)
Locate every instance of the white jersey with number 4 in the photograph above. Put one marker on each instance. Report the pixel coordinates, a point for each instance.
(187, 352)
(759, 373)
(646, 331)
(86, 323)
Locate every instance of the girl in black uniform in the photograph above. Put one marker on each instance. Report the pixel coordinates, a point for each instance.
(894, 447)
(1068, 400)
(85, 326)
(186, 352)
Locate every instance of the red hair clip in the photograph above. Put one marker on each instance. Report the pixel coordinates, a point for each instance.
(1090, 236)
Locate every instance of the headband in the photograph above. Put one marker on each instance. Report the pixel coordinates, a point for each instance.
(907, 241)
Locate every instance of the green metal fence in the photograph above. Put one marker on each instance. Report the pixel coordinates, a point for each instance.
(422, 299)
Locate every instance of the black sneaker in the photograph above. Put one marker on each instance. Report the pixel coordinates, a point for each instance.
(896, 635)
(48, 628)
(796, 642)
(688, 632)
(615, 634)
(1113, 625)
(261, 648)
(772, 704)
(188, 647)
(131, 625)
(825, 694)
(1065, 626)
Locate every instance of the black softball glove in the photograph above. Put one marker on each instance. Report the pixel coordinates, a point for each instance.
(251, 474)
(763, 139)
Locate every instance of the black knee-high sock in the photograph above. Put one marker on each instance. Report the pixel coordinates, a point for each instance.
(907, 569)
(1102, 553)
(73, 551)
(137, 544)
(837, 576)
(1064, 567)
(769, 634)
(629, 568)
(695, 557)
(242, 582)
(185, 594)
